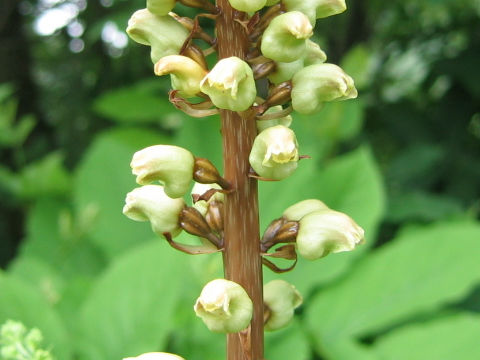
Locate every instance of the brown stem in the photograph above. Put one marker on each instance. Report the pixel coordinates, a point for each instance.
(242, 260)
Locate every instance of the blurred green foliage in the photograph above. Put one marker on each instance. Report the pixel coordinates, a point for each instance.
(403, 160)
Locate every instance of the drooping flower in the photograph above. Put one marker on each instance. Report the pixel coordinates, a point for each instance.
(285, 37)
(281, 299)
(230, 84)
(224, 306)
(163, 34)
(186, 74)
(302, 208)
(327, 231)
(319, 83)
(150, 203)
(171, 165)
(274, 153)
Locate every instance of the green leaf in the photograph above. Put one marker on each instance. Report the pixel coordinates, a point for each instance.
(130, 309)
(104, 178)
(358, 63)
(454, 337)
(351, 184)
(341, 120)
(422, 206)
(46, 177)
(419, 271)
(288, 343)
(202, 137)
(140, 103)
(47, 239)
(191, 338)
(40, 274)
(337, 121)
(346, 348)
(19, 301)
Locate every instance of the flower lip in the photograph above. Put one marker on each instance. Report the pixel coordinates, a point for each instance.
(281, 153)
(225, 78)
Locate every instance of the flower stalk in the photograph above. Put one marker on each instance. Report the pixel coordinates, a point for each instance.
(242, 260)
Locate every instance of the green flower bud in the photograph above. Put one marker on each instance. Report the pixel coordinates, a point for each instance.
(230, 84)
(327, 231)
(163, 34)
(264, 124)
(224, 306)
(314, 54)
(186, 73)
(285, 37)
(171, 165)
(316, 84)
(150, 203)
(285, 71)
(160, 7)
(156, 356)
(274, 153)
(247, 5)
(316, 9)
(302, 208)
(282, 299)
(327, 8)
(200, 189)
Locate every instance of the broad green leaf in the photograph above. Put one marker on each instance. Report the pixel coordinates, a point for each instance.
(139, 103)
(358, 64)
(340, 120)
(130, 309)
(104, 178)
(453, 337)
(415, 167)
(422, 206)
(351, 184)
(40, 274)
(288, 343)
(45, 177)
(20, 301)
(320, 133)
(191, 338)
(346, 348)
(202, 137)
(71, 254)
(419, 271)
